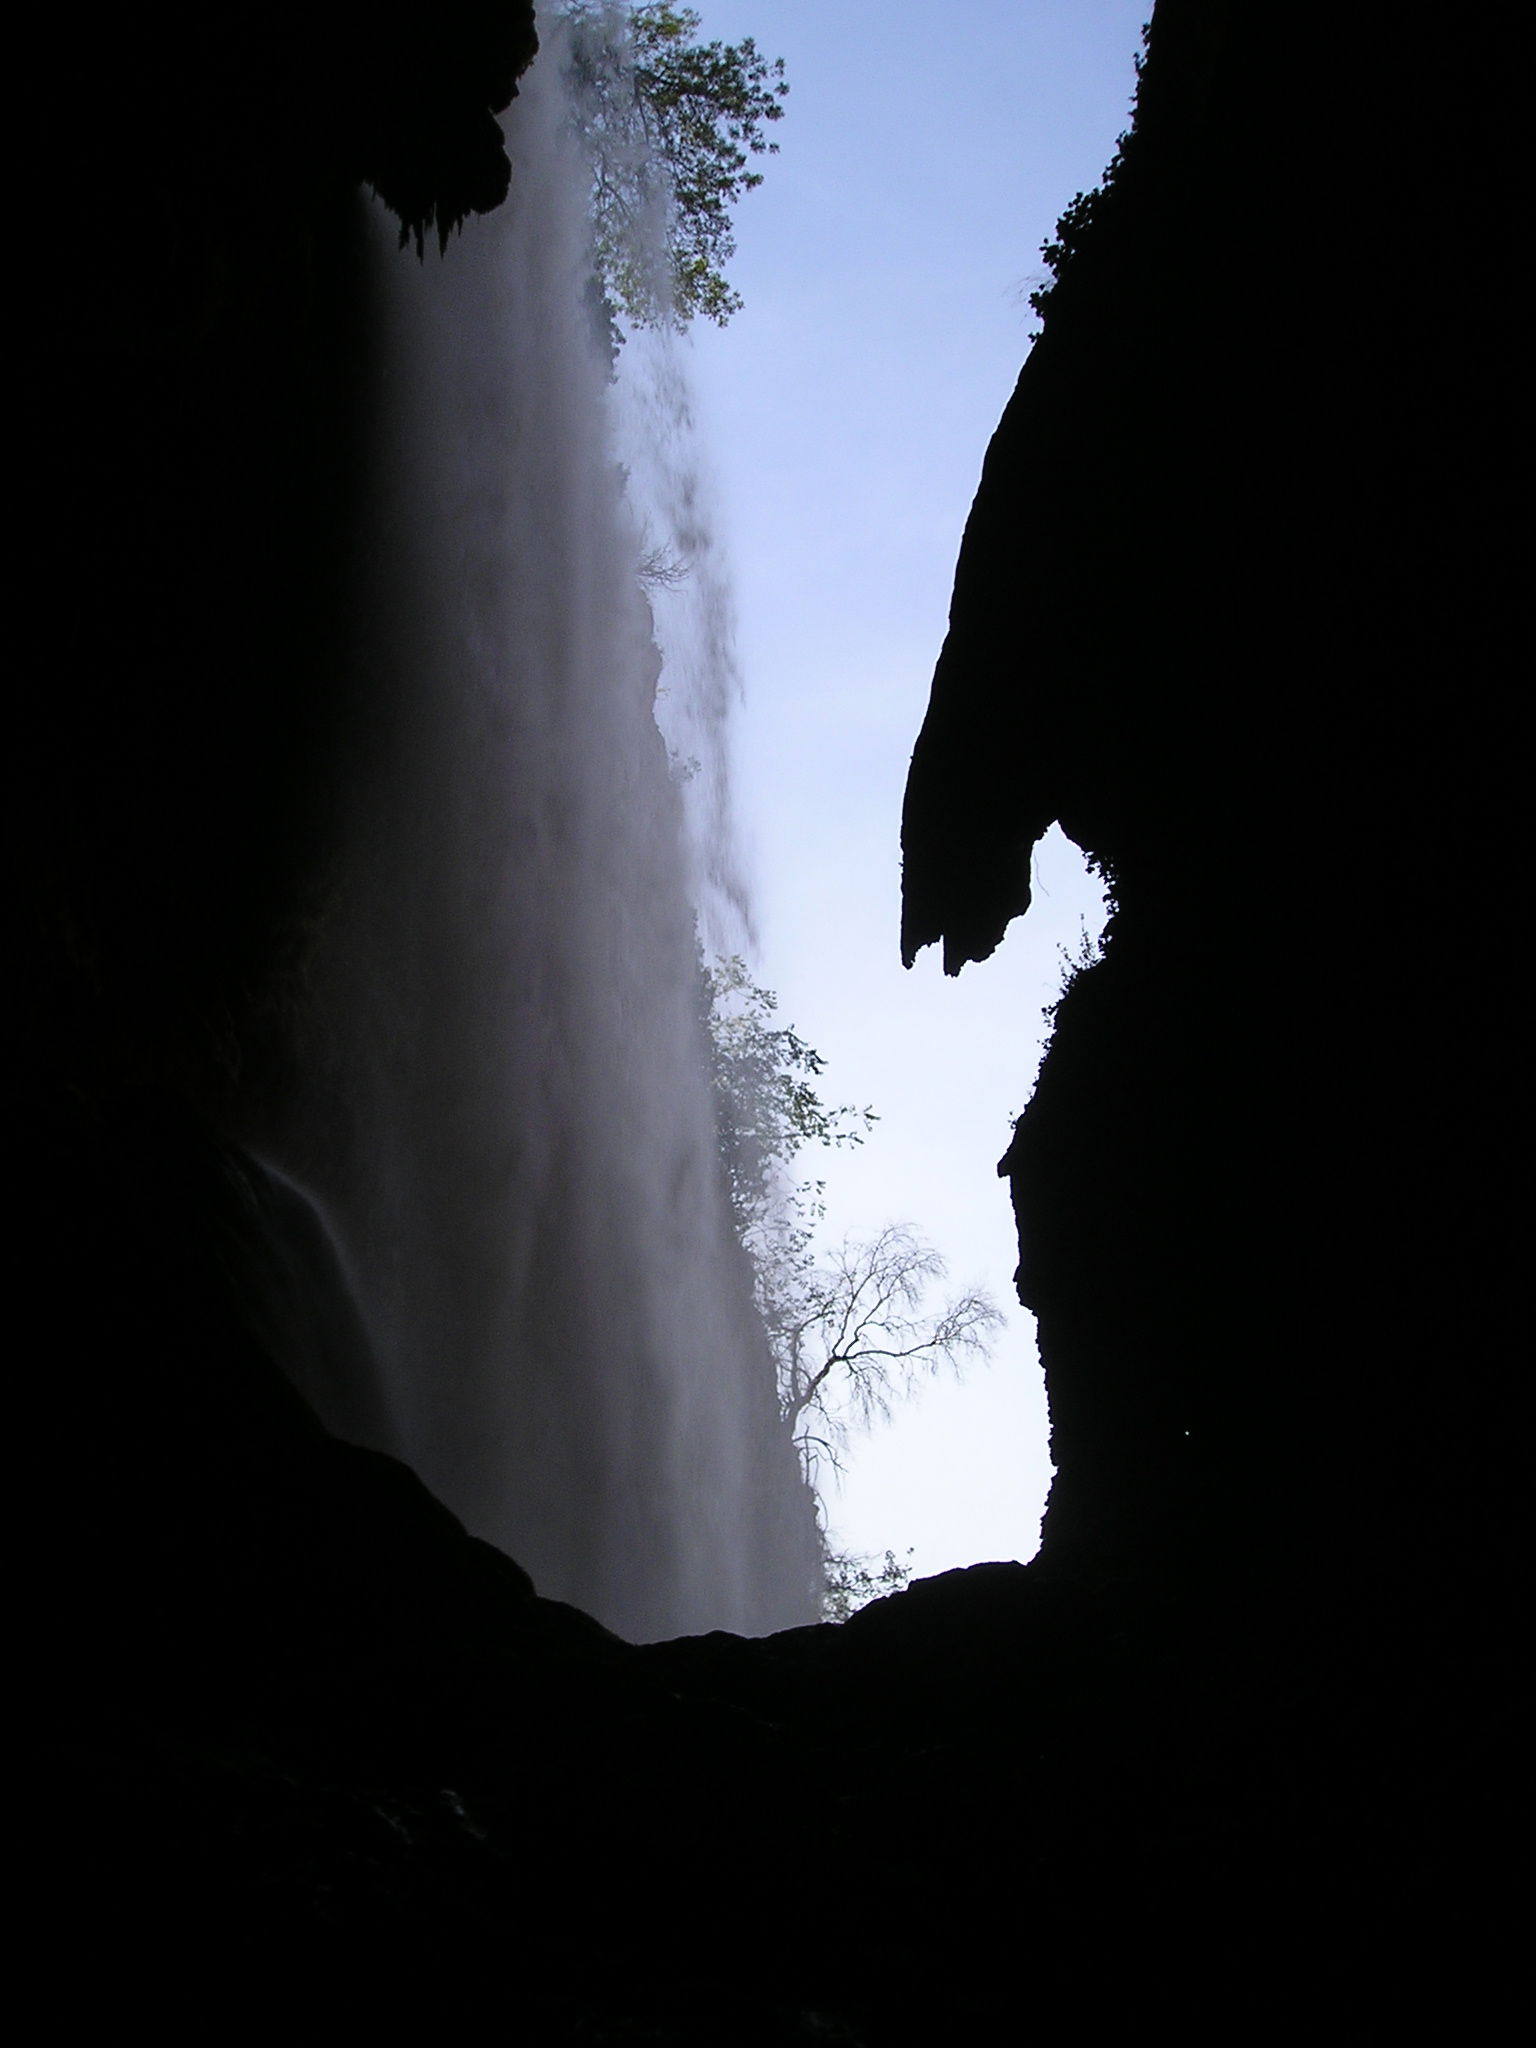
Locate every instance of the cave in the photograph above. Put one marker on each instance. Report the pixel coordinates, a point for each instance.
(1242, 580)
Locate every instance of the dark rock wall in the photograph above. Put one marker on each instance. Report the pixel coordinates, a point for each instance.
(193, 391)
(1239, 604)
(192, 401)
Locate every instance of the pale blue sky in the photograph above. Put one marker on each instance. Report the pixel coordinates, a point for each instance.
(925, 154)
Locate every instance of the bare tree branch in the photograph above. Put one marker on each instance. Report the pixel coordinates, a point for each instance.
(857, 1335)
(854, 1335)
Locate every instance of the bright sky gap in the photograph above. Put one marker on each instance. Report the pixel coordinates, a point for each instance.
(885, 263)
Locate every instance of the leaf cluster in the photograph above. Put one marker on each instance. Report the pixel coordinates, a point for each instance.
(768, 1106)
(671, 126)
(852, 1580)
(1077, 222)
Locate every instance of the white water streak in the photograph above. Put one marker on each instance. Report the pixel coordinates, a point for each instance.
(696, 619)
(508, 1122)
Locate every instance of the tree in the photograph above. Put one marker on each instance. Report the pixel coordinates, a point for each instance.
(1076, 224)
(853, 1336)
(670, 126)
(767, 1107)
(851, 1581)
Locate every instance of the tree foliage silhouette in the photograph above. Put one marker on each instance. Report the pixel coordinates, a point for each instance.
(854, 1579)
(764, 1076)
(671, 126)
(856, 1333)
(852, 1331)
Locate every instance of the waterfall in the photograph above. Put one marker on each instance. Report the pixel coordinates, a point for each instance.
(505, 1118)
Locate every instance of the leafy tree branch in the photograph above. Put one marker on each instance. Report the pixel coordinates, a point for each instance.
(852, 1581)
(672, 127)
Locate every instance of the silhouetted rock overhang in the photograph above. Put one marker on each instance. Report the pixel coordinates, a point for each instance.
(1252, 513)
